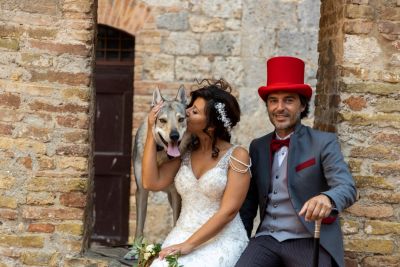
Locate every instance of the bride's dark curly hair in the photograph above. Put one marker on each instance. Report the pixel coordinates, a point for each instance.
(214, 92)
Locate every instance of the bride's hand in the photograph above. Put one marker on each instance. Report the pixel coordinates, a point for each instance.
(178, 249)
(151, 119)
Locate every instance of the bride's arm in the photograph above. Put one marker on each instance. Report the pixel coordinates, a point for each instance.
(232, 200)
(156, 177)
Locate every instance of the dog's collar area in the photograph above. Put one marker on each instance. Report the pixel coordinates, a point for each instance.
(160, 148)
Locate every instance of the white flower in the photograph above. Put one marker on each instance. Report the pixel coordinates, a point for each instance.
(150, 248)
(146, 255)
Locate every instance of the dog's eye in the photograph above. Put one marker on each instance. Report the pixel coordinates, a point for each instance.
(162, 120)
(181, 119)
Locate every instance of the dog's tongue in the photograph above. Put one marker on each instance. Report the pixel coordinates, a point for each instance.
(173, 150)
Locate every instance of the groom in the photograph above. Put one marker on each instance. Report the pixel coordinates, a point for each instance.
(298, 176)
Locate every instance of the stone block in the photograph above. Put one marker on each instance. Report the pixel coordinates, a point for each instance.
(395, 60)
(180, 43)
(376, 227)
(22, 241)
(377, 260)
(6, 129)
(70, 121)
(382, 120)
(70, 228)
(222, 8)
(259, 42)
(355, 165)
(9, 44)
(206, 24)
(356, 103)
(224, 44)
(73, 199)
(378, 152)
(370, 88)
(159, 68)
(10, 100)
(229, 68)
(43, 33)
(7, 182)
(26, 162)
(41, 228)
(389, 27)
(188, 69)
(60, 48)
(76, 136)
(37, 258)
(372, 182)
(57, 185)
(359, 12)
(40, 7)
(371, 210)
(73, 150)
(391, 169)
(35, 133)
(380, 246)
(46, 163)
(75, 93)
(8, 202)
(8, 214)
(75, 163)
(173, 21)
(54, 213)
(391, 13)
(67, 78)
(387, 105)
(357, 47)
(387, 138)
(350, 227)
(21, 144)
(358, 26)
(78, 6)
(40, 198)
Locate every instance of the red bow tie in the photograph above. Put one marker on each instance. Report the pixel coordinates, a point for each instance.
(277, 144)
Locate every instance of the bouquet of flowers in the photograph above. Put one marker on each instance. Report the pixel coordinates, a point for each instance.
(146, 253)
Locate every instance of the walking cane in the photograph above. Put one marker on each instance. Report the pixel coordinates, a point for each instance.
(317, 232)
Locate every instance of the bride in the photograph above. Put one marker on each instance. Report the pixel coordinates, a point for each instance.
(212, 178)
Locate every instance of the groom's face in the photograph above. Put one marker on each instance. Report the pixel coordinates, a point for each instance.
(284, 110)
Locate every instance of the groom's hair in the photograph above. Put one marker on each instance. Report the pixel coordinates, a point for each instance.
(306, 103)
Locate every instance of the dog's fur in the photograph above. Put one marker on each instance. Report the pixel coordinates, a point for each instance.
(169, 131)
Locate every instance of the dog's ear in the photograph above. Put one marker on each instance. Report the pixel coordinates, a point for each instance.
(157, 98)
(181, 96)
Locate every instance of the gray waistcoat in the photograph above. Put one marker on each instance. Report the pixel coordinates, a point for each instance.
(281, 221)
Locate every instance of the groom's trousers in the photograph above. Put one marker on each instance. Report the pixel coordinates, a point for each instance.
(266, 251)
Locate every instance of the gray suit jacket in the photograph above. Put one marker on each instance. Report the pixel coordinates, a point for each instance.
(315, 166)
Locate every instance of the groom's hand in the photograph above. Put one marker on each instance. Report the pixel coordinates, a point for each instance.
(178, 249)
(316, 208)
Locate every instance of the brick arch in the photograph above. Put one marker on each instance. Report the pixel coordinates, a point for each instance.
(125, 15)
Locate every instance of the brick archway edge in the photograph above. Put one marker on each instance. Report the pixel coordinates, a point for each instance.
(125, 15)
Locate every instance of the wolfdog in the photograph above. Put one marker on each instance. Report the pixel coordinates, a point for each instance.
(169, 132)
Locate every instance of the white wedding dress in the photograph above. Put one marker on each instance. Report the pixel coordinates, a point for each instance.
(201, 199)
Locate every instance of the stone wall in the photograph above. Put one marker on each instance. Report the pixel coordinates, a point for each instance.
(183, 40)
(46, 56)
(358, 96)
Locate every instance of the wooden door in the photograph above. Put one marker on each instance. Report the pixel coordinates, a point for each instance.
(113, 141)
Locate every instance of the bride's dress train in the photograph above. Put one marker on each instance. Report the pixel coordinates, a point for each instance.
(201, 199)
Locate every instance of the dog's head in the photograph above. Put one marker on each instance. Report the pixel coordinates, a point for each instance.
(170, 124)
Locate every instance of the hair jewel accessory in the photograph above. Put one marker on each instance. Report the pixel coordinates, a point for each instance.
(220, 107)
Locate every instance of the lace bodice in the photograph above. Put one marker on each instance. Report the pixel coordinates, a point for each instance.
(201, 199)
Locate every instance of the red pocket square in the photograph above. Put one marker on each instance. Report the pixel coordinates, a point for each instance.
(328, 220)
(305, 164)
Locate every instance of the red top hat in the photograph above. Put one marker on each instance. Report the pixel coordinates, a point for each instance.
(285, 74)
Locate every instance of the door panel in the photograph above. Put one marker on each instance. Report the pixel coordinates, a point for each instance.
(112, 157)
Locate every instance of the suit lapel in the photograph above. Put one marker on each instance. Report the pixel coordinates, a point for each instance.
(264, 168)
